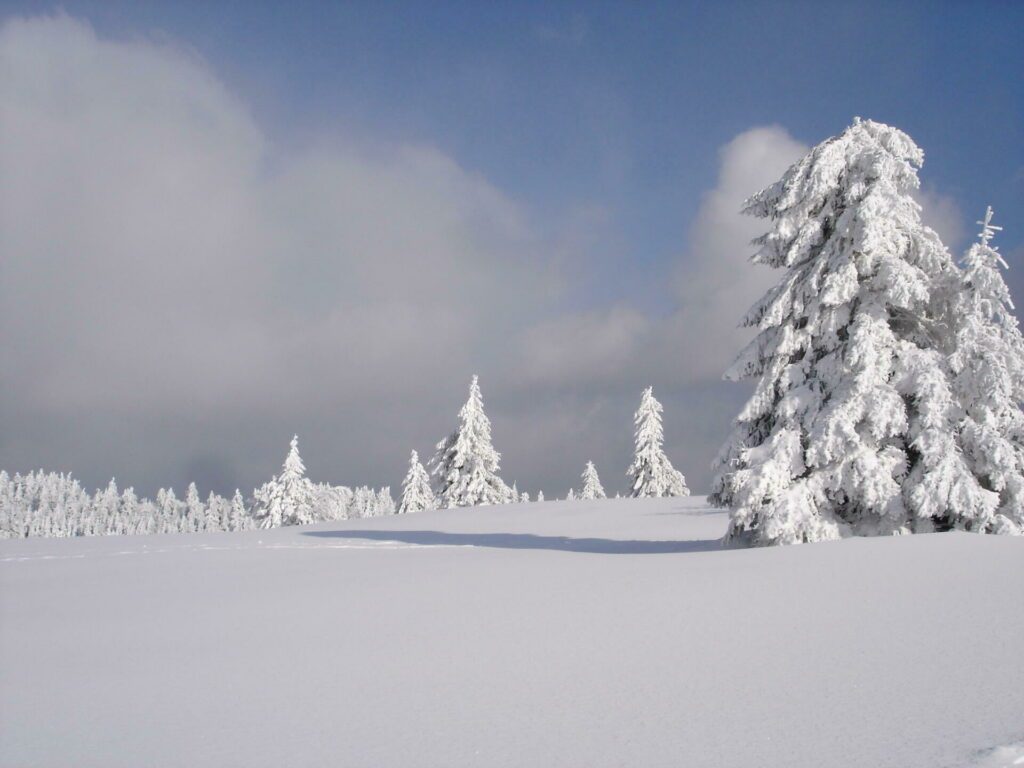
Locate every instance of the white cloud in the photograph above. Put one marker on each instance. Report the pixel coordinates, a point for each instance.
(179, 294)
(163, 261)
(715, 282)
(942, 213)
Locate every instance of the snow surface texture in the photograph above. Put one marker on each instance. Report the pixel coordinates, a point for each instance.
(1001, 757)
(591, 633)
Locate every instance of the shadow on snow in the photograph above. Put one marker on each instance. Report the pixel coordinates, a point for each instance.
(528, 541)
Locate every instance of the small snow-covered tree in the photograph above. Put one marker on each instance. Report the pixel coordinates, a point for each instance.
(332, 502)
(465, 466)
(652, 472)
(571, 495)
(592, 488)
(385, 502)
(524, 498)
(540, 495)
(218, 513)
(988, 367)
(287, 499)
(417, 494)
(240, 518)
(195, 510)
(851, 428)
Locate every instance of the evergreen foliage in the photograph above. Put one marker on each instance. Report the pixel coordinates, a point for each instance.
(592, 488)
(417, 494)
(465, 466)
(852, 427)
(652, 473)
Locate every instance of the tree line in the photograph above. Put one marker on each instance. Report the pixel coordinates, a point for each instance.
(888, 397)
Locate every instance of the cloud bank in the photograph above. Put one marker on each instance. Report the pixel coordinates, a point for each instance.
(178, 294)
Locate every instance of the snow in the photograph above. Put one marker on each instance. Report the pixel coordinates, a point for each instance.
(651, 471)
(854, 424)
(586, 633)
(465, 464)
(1001, 757)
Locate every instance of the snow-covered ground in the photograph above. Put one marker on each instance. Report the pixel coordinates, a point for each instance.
(609, 633)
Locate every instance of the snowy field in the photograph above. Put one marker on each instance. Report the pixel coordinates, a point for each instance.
(610, 633)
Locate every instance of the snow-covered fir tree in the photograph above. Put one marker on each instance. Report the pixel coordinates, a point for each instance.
(651, 470)
(540, 495)
(218, 513)
(571, 495)
(195, 510)
(524, 498)
(592, 488)
(385, 503)
(465, 466)
(988, 368)
(333, 502)
(241, 520)
(52, 504)
(852, 426)
(287, 499)
(417, 494)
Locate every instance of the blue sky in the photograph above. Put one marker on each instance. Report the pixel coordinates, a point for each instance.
(604, 124)
(619, 103)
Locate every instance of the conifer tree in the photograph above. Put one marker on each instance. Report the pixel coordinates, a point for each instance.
(651, 470)
(988, 367)
(195, 510)
(217, 513)
(384, 504)
(287, 499)
(852, 426)
(240, 520)
(592, 488)
(465, 466)
(417, 494)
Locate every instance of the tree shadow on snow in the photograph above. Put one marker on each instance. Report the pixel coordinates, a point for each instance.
(691, 511)
(528, 541)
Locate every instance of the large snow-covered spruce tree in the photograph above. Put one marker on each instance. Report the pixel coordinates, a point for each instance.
(592, 488)
(988, 368)
(851, 428)
(417, 494)
(465, 466)
(651, 470)
(287, 499)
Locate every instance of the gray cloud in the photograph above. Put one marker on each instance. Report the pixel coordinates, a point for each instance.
(178, 295)
(164, 265)
(716, 283)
